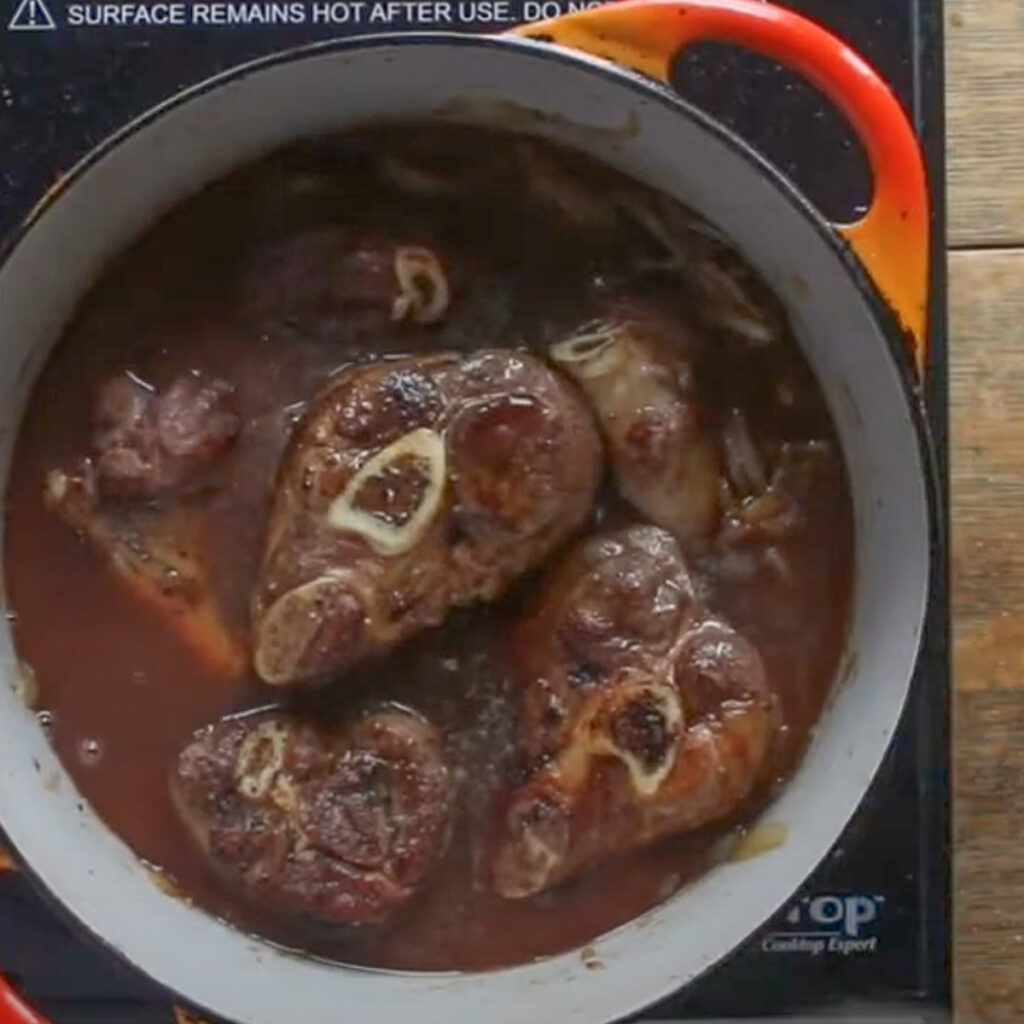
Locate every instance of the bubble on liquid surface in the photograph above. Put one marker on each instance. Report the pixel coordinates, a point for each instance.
(90, 752)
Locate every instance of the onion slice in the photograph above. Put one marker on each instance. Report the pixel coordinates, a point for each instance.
(743, 460)
(594, 351)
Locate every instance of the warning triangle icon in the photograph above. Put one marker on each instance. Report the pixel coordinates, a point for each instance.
(31, 16)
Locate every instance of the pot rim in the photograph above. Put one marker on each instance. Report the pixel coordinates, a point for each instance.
(896, 347)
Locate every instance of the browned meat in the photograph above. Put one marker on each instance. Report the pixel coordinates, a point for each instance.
(147, 448)
(643, 716)
(363, 281)
(414, 486)
(152, 549)
(635, 368)
(335, 825)
(147, 443)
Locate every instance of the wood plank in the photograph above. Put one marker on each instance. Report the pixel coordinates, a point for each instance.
(989, 874)
(987, 387)
(984, 87)
(987, 408)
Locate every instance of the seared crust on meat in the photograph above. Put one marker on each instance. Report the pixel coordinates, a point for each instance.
(643, 715)
(415, 486)
(335, 825)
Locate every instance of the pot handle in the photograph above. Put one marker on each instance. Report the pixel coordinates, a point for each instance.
(892, 239)
(13, 1010)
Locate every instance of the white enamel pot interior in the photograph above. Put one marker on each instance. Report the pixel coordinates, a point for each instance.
(156, 163)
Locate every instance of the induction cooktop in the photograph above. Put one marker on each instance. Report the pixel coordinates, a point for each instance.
(867, 937)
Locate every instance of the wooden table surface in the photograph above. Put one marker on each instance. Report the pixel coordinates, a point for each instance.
(985, 122)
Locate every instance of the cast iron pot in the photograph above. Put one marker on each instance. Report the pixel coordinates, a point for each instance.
(856, 296)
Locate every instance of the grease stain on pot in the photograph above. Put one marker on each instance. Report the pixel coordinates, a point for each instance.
(761, 839)
(182, 1016)
(29, 368)
(165, 884)
(590, 959)
(505, 113)
(26, 686)
(847, 667)
(847, 393)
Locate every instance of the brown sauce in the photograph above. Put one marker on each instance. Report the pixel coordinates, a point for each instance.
(125, 694)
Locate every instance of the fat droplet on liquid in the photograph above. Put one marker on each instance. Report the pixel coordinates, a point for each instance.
(90, 752)
(45, 719)
(669, 885)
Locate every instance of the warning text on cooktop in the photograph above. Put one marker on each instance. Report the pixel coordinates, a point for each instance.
(44, 15)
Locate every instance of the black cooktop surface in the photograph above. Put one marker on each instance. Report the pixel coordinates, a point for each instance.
(867, 936)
